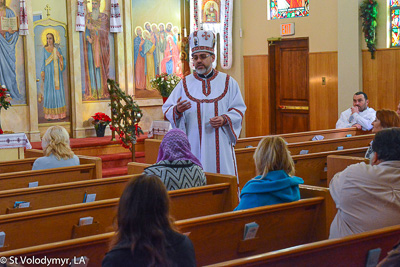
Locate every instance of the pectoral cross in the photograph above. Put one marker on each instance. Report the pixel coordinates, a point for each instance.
(47, 8)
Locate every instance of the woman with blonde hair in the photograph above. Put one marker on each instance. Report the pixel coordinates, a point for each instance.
(56, 150)
(274, 183)
(385, 118)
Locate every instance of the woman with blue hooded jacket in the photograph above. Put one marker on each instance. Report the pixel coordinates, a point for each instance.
(275, 183)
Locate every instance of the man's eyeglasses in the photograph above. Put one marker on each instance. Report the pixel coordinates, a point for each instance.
(202, 57)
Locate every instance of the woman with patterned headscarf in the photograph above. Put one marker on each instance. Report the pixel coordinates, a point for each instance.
(176, 165)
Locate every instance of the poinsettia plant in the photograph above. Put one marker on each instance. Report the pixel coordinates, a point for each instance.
(4, 98)
(100, 118)
(165, 83)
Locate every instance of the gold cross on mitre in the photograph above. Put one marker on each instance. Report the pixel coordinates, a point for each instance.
(47, 8)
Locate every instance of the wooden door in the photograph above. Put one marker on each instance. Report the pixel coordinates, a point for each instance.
(289, 94)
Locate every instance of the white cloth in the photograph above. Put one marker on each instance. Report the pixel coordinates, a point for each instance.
(224, 28)
(80, 16)
(159, 128)
(364, 118)
(217, 96)
(115, 18)
(23, 16)
(367, 197)
(14, 140)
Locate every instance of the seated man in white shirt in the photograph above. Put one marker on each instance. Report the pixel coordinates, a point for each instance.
(359, 115)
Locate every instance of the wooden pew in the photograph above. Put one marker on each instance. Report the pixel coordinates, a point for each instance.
(347, 251)
(55, 224)
(212, 178)
(339, 163)
(223, 189)
(303, 136)
(22, 179)
(152, 145)
(27, 163)
(55, 195)
(311, 167)
(328, 209)
(219, 237)
(215, 237)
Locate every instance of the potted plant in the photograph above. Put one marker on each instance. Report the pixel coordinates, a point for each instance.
(165, 84)
(101, 120)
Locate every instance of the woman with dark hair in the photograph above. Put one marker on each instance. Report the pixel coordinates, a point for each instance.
(385, 118)
(176, 165)
(146, 235)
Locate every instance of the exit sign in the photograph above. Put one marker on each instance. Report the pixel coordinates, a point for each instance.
(287, 29)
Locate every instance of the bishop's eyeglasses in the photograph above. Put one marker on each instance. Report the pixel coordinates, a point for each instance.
(201, 57)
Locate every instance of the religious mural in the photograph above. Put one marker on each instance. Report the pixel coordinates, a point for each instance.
(281, 9)
(51, 54)
(12, 68)
(97, 51)
(211, 11)
(156, 42)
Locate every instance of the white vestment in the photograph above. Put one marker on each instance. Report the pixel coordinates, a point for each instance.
(218, 95)
(364, 118)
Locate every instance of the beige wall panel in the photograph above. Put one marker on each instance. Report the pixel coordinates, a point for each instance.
(320, 26)
(15, 119)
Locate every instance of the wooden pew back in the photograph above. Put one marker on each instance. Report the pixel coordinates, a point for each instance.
(212, 178)
(347, 251)
(338, 163)
(55, 224)
(328, 208)
(152, 145)
(22, 179)
(27, 163)
(48, 196)
(220, 236)
(302, 136)
(214, 237)
(311, 167)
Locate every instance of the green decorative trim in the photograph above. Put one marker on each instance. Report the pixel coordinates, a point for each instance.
(368, 13)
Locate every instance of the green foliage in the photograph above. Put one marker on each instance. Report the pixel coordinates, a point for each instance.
(369, 12)
(125, 114)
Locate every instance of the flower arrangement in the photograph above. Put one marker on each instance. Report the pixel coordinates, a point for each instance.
(4, 98)
(165, 83)
(100, 119)
(369, 13)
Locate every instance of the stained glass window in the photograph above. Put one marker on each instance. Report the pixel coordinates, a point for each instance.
(395, 25)
(282, 9)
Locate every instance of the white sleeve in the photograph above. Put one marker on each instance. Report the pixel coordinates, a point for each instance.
(343, 121)
(235, 112)
(366, 121)
(169, 108)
